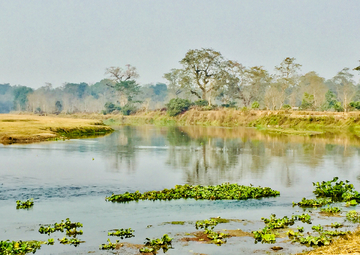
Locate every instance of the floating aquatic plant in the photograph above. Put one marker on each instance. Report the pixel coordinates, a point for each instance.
(153, 245)
(206, 224)
(337, 191)
(336, 225)
(19, 247)
(70, 227)
(73, 241)
(123, 233)
(317, 228)
(332, 210)
(313, 202)
(265, 235)
(24, 204)
(353, 216)
(224, 191)
(109, 245)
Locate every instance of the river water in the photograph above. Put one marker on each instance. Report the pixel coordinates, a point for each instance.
(70, 179)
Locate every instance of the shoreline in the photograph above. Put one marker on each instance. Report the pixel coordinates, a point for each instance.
(26, 128)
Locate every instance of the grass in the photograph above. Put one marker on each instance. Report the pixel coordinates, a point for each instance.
(284, 122)
(31, 128)
(349, 244)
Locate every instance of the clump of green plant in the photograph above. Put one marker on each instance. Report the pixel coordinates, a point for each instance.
(337, 191)
(109, 245)
(19, 247)
(305, 218)
(351, 203)
(265, 235)
(314, 240)
(123, 233)
(293, 234)
(50, 241)
(331, 210)
(73, 241)
(218, 192)
(300, 229)
(336, 225)
(335, 233)
(24, 204)
(353, 216)
(217, 238)
(206, 224)
(274, 223)
(70, 227)
(177, 106)
(313, 202)
(317, 228)
(153, 245)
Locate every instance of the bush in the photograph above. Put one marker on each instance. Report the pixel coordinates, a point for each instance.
(201, 102)
(286, 107)
(177, 106)
(255, 105)
(128, 109)
(110, 107)
(231, 104)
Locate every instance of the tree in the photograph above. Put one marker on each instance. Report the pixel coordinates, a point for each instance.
(287, 79)
(345, 87)
(313, 85)
(124, 82)
(20, 97)
(203, 72)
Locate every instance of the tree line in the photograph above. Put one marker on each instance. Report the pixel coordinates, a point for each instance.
(206, 78)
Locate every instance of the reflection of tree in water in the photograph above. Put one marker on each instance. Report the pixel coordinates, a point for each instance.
(212, 159)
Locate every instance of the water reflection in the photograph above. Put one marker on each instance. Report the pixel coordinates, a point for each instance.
(209, 155)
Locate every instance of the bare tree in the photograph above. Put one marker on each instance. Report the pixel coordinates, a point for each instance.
(345, 87)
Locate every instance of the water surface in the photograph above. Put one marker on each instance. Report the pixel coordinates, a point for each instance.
(71, 179)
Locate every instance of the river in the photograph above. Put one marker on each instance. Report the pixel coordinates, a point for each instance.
(70, 179)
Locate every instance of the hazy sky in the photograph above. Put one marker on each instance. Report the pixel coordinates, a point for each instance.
(74, 41)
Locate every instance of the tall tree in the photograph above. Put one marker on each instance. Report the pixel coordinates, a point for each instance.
(124, 82)
(202, 74)
(345, 87)
(313, 85)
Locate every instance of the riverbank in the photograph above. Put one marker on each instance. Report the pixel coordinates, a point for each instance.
(283, 122)
(16, 128)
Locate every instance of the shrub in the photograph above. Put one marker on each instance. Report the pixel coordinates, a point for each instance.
(201, 102)
(177, 106)
(231, 104)
(286, 107)
(128, 109)
(255, 105)
(110, 107)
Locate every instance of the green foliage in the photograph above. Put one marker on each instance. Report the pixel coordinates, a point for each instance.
(58, 107)
(109, 245)
(305, 218)
(153, 245)
(274, 223)
(353, 216)
(351, 203)
(19, 247)
(123, 233)
(265, 235)
(255, 105)
(129, 88)
(300, 229)
(286, 107)
(314, 240)
(307, 102)
(336, 225)
(355, 105)
(67, 225)
(128, 109)
(217, 238)
(313, 202)
(231, 104)
(24, 204)
(337, 191)
(177, 106)
(317, 228)
(76, 89)
(201, 102)
(331, 210)
(20, 97)
(224, 191)
(110, 107)
(206, 224)
(73, 241)
(50, 241)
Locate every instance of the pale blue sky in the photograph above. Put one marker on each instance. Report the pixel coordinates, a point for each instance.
(74, 41)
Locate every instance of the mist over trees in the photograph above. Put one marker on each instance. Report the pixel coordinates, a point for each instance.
(206, 78)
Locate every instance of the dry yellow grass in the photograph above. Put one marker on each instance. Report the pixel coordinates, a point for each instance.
(32, 128)
(349, 244)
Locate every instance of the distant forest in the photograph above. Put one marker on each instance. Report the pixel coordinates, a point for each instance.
(206, 78)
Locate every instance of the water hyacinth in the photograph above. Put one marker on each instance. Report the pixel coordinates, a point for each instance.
(224, 191)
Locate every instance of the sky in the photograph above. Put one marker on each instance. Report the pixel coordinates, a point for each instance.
(59, 41)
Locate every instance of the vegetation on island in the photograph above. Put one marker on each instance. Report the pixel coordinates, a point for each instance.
(217, 192)
(25, 204)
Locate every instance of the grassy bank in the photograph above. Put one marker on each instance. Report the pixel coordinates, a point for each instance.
(31, 128)
(288, 122)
